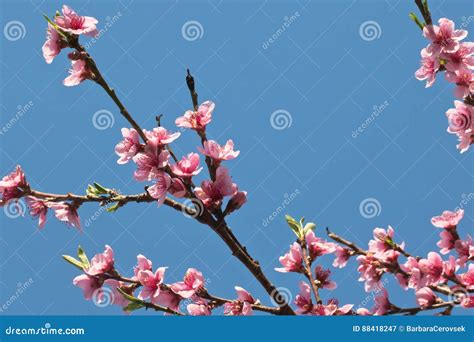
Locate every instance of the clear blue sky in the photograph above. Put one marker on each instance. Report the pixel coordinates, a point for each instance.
(319, 70)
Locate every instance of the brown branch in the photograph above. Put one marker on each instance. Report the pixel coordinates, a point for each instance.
(307, 271)
(415, 310)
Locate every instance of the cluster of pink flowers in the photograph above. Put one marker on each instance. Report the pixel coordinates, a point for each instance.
(150, 286)
(153, 163)
(446, 52)
(14, 186)
(423, 275)
(64, 28)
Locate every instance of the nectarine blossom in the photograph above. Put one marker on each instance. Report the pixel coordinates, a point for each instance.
(431, 269)
(187, 167)
(291, 261)
(160, 136)
(73, 23)
(38, 208)
(102, 262)
(192, 282)
(53, 45)
(211, 193)
(448, 219)
(13, 186)
(444, 38)
(217, 152)
(428, 69)
(79, 72)
(151, 282)
(425, 297)
(88, 284)
(66, 212)
(317, 246)
(197, 120)
(242, 306)
(129, 146)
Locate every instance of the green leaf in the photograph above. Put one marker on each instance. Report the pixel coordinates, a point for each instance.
(294, 225)
(74, 262)
(132, 307)
(100, 189)
(56, 27)
(83, 257)
(416, 20)
(129, 297)
(114, 207)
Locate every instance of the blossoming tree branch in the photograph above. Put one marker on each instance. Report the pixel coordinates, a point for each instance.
(440, 281)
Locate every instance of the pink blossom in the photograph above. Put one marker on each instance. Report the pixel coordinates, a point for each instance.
(444, 38)
(382, 242)
(177, 188)
(448, 219)
(215, 151)
(412, 267)
(160, 188)
(463, 79)
(466, 139)
(342, 257)
(370, 271)
(382, 304)
(66, 212)
(13, 185)
(53, 44)
(450, 267)
(425, 297)
(467, 279)
(116, 297)
(363, 312)
(431, 268)
(198, 309)
(167, 299)
(88, 284)
(318, 246)
(322, 278)
(151, 282)
(193, 281)
(242, 306)
(143, 264)
(461, 59)
(465, 250)
(102, 263)
(148, 163)
(160, 136)
(460, 118)
(212, 193)
(291, 261)
(236, 202)
(73, 23)
(303, 299)
(78, 73)
(129, 146)
(428, 69)
(197, 120)
(187, 167)
(447, 241)
(331, 309)
(38, 208)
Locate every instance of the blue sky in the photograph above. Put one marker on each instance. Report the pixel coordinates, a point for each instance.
(323, 73)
